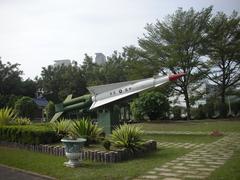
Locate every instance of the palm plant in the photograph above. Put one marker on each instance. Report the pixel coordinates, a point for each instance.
(62, 127)
(22, 121)
(127, 136)
(84, 128)
(7, 115)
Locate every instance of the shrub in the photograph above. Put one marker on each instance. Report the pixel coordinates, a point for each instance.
(136, 110)
(106, 144)
(84, 128)
(22, 121)
(29, 134)
(127, 136)
(153, 104)
(176, 110)
(200, 112)
(50, 110)
(235, 107)
(25, 107)
(7, 115)
(61, 127)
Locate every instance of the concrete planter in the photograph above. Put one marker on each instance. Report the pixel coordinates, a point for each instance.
(73, 148)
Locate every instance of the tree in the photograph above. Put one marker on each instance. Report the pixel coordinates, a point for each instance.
(91, 72)
(10, 79)
(174, 45)
(136, 66)
(58, 82)
(223, 65)
(114, 69)
(153, 104)
(28, 88)
(25, 107)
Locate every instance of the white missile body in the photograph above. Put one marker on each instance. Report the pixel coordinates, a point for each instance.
(105, 94)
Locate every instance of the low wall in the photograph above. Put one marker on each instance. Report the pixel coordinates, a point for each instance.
(96, 156)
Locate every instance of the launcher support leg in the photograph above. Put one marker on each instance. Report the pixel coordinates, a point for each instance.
(108, 118)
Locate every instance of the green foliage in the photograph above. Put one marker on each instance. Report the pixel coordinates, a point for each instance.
(127, 136)
(236, 107)
(62, 127)
(175, 44)
(50, 110)
(223, 65)
(153, 104)
(176, 110)
(7, 115)
(114, 70)
(60, 81)
(137, 110)
(10, 80)
(106, 144)
(210, 108)
(22, 121)
(84, 128)
(200, 112)
(29, 88)
(25, 107)
(28, 134)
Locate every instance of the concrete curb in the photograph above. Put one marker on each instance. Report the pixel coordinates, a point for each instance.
(28, 172)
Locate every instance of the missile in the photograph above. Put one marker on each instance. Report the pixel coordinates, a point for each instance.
(105, 94)
(72, 104)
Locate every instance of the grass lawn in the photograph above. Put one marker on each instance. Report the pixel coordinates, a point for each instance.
(230, 170)
(193, 126)
(53, 166)
(181, 138)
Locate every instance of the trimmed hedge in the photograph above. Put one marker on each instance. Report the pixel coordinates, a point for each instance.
(29, 134)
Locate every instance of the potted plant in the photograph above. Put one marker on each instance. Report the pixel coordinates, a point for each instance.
(73, 148)
(72, 143)
(79, 133)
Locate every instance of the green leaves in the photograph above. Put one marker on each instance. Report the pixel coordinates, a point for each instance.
(62, 127)
(127, 136)
(153, 104)
(84, 128)
(22, 121)
(7, 115)
(25, 107)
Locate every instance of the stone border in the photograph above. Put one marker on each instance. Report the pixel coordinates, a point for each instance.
(96, 156)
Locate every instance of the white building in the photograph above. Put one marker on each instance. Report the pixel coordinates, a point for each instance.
(100, 58)
(64, 62)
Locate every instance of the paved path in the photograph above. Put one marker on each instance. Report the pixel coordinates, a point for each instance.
(199, 163)
(180, 145)
(9, 173)
(177, 132)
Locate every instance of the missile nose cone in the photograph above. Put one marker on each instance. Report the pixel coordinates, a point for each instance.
(174, 77)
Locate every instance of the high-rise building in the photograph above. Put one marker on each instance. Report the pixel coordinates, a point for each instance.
(100, 58)
(64, 62)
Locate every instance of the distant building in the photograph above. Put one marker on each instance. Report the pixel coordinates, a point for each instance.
(63, 62)
(100, 58)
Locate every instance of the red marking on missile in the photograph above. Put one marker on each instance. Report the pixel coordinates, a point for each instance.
(174, 77)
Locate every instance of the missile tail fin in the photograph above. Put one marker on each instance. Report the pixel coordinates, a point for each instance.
(56, 116)
(69, 97)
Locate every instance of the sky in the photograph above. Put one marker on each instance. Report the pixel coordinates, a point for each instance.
(34, 33)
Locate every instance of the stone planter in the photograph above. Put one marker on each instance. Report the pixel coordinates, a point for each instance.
(73, 148)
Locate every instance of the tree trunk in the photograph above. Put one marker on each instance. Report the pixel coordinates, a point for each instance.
(188, 107)
(223, 110)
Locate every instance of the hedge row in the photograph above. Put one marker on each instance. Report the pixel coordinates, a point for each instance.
(28, 134)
